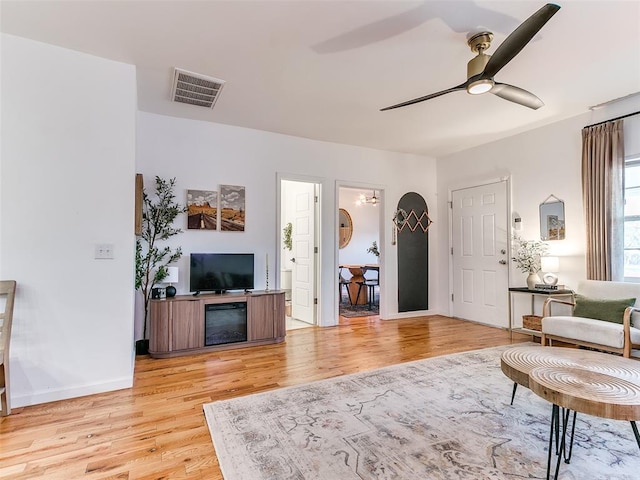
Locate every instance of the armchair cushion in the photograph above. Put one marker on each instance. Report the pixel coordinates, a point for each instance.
(588, 330)
(602, 309)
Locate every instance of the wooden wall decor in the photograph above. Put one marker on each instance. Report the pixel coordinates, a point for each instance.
(138, 204)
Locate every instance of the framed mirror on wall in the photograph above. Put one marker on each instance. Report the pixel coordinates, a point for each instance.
(345, 225)
(552, 221)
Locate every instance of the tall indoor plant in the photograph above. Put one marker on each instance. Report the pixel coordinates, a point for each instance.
(158, 214)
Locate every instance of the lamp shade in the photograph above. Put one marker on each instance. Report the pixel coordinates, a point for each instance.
(172, 275)
(550, 264)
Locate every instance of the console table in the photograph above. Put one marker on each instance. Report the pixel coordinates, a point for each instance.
(533, 294)
(178, 325)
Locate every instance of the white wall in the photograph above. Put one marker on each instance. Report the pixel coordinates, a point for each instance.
(540, 162)
(67, 184)
(365, 228)
(202, 155)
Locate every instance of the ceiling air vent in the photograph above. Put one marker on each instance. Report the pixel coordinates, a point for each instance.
(195, 89)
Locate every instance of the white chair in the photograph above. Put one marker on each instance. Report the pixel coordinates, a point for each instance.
(8, 290)
(620, 337)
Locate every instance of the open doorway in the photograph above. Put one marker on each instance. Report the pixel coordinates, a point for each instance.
(359, 250)
(299, 255)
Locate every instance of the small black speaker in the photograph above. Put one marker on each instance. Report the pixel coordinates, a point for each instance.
(170, 291)
(158, 293)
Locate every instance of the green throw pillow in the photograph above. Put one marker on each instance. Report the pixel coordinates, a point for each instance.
(600, 309)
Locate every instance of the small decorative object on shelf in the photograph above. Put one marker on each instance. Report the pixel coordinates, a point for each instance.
(172, 277)
(544, 286)
(266, 288)
(551, 266)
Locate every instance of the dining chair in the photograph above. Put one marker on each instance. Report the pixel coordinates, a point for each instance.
(370, 283)
(343, 282)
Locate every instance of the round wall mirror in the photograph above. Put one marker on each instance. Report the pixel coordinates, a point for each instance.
(345, 227)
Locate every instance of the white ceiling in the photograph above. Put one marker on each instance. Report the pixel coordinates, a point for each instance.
(323, 69)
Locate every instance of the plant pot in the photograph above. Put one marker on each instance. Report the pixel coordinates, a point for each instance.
(532, 280)
(142, 347)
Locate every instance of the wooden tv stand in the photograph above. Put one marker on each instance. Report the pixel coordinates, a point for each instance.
(177, 325)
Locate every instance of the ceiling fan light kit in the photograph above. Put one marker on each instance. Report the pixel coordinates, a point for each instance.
(480, 86)
(482, 68)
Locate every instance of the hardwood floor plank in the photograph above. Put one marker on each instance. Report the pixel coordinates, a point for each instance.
(156, 430)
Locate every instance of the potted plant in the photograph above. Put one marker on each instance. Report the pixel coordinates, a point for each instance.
(374, 249)
(527, 255)
(158, 214)
(287, 240)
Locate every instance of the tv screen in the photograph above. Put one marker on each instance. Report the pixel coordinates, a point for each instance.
(221, 271)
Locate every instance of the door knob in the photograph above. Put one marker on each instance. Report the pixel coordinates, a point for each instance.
(502, 262)
(503, 251)
(293, 260)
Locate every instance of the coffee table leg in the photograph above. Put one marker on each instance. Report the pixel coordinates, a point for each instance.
(635, 432)
(554, 417)
(565, 425)
(555, 431)
(513, 395)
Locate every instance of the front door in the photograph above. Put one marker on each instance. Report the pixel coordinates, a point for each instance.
(480, 254)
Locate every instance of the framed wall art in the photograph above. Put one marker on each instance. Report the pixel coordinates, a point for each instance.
(232, 208)
(202, 210)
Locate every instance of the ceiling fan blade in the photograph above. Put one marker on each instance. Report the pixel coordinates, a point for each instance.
(426, 97)
(517, 95)
(375, 32)
(519, 39)
(445, 10)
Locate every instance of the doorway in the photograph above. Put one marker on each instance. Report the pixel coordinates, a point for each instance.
(359, 249)
(480, 254)
(299, 239)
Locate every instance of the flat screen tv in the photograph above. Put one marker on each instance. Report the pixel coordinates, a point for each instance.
(219, 272)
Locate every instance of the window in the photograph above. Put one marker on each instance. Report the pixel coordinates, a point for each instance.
(632, 219)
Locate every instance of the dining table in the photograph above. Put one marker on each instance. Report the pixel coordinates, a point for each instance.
(357, 271)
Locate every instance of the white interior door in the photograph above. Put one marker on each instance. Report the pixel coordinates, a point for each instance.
(303, 270)
(480, 254)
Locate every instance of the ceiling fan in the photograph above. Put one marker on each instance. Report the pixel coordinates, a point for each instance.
(482, 68)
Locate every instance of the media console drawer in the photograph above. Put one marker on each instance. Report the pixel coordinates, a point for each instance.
(187, 324)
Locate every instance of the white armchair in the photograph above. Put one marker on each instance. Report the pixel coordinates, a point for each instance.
(619, 337)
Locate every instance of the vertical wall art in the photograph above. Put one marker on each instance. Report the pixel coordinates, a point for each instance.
(202, 208)
(232, 205)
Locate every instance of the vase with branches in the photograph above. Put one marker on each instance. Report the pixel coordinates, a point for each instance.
(158, 214)
(527, 255)
(374, 249)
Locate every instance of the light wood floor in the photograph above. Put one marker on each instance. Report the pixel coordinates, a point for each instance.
(156, 430)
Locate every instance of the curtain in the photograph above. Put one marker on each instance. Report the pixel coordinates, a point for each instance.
(603, 198)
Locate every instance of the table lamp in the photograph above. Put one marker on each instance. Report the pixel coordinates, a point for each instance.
(172, 277)
(550, 266)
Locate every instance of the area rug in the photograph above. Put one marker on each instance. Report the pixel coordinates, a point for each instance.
(351, 311)
(442, 418)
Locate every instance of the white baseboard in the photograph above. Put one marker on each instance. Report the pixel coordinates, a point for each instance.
(36, 398)
(417, 313)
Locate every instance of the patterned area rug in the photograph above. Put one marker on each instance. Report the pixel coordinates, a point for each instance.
(351, 311)
(442, 418)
